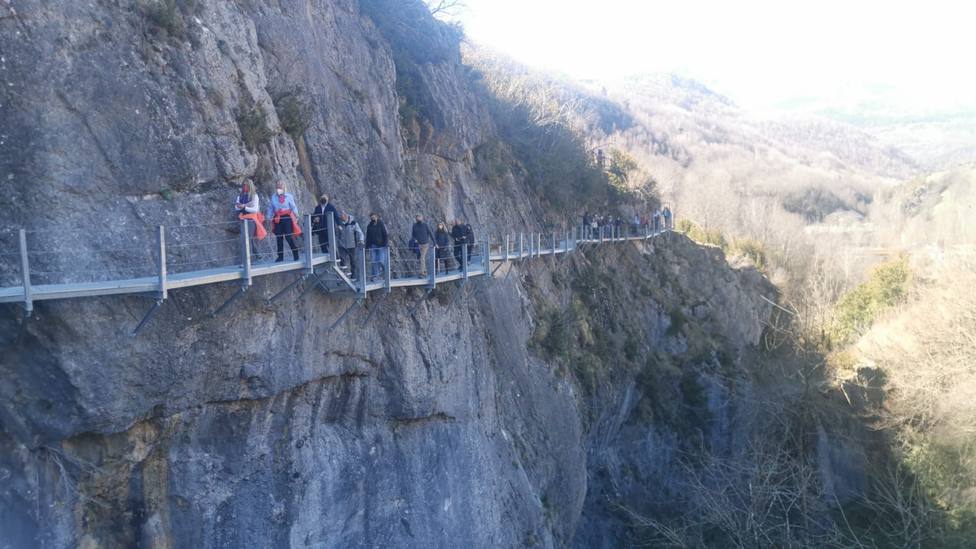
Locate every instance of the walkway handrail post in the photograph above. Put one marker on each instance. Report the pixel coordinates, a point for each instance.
(161, 239)
(309, 266)
(431, 265)
(602, 231)
(25, 274)
(521, 244)
(361, 260)
(246, 251)
(505, 253)
(333, 256)
(554, 244)
(486, 258)
(388, 268)
(464, 261)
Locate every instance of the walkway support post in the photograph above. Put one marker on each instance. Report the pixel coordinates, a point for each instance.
(432, 266)
(333, 256)
(521, 244)
(554, 244)
(246, 251)
(25, 274)
(464, 261)
(161, 240)
(486, 258)
(505, 253)
(361, 261)
(388, 271)
(309, 266)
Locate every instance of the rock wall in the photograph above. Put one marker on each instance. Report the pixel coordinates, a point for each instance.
(427, 424)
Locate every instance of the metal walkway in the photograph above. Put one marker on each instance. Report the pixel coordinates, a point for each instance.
(400, 267)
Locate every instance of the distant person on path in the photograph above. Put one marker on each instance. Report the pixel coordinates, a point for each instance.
(350, 236)
(442, 243)
(320, 221)
(460, 236)
(283, 213)
(421, 234)
(667, 218)
(656, 221)
(376, 243)
(600, 158)
(594, 228)
(636, 223)
(248, 206)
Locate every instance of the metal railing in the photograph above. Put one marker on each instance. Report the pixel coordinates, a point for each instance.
(39, 265)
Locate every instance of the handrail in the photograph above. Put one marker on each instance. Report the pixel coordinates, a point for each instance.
(164, 280)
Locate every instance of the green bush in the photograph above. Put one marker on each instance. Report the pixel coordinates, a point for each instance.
(702, 235)
(253, 124)
(621, 166)
(754, 250)
(167, 16)
(857, 310)
(294, 111)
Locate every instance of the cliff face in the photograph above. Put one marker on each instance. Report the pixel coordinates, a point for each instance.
(447, 423)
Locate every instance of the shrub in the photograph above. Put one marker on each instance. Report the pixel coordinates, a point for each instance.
(253, 124)
(702, 235)
(857, 310)
(294, 111)
(621, 166)
(754, 250)
(167, 16)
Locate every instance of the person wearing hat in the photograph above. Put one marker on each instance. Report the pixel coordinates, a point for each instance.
(320, 221)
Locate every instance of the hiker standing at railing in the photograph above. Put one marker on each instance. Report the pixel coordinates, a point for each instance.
(377, 241)
(666, 214)
(283, 213)
(442, 247)
(421, 235)
(248, 206)
(460, 236)
(656, 221)
(320, 221)
(349, 236)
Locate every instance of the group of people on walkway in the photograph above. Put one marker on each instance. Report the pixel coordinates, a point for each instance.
(450, 245)
(595, 224)
(282, 214)
(447, 245)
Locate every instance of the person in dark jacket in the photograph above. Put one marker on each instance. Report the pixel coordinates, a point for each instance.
(348, 236)
(421, 234)
(460, 236)
(320, 221)
(376, 243)
(442, 243)
(668, 223)
(470, 236)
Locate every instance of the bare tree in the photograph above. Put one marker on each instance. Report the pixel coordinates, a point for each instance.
(445, 8)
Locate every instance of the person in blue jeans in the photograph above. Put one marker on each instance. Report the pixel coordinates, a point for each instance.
(376, 245)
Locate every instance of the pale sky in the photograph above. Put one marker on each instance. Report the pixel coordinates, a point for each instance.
(918, 55)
